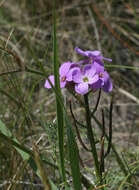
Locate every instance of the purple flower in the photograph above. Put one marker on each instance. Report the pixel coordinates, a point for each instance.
(83, 75)
(65, 72)
(104, 81)
(93, 55)
(84, 78)
(95, 58)
(47, 84)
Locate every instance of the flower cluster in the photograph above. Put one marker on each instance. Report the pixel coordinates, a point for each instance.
(87, 74)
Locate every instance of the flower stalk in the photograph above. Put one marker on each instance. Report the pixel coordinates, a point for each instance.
(91, 138)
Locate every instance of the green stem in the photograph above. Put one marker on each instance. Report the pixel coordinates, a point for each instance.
(91, 138)
(59, 107)
(29, 70)
(122, 66)
(119, 160)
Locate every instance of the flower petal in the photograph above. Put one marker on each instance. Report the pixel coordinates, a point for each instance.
(69, 76)
(93, 79)
(98, 84)
(81, 88)
(106, 76)
(89, 70)
(83, 61)
(77, 75)
(64, 68)
(108, 86)
(95, 53)
(107, 82)
(78, 50)
(99, 66)
(62, 84)
(47, 84)
(107, 59)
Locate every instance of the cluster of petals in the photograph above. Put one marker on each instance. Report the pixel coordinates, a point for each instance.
(65, 72)
(88, 74)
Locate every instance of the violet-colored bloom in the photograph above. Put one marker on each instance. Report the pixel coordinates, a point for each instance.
(65, 72)
(47, 84)
(95, 58)
(107, 82)
(104, 82)
(93, 55)
(99, 66)
(84, 78)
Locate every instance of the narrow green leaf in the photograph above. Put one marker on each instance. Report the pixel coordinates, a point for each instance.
(59, 107)
(122, 67)
(6, 132)
(53, 186)
(73, 155)
(73, 150)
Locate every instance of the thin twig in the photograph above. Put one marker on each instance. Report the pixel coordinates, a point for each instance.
(77, 131)
(3, 183)
(80, 124)
(8, 39)
(91, 137)
(102, 144)
(98, 99)
(19, 60)
(117, 156)
(10, 72)
(129, 95)
(110, 129)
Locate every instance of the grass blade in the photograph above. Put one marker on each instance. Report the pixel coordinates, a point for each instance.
(73, 155)
(127, 177)
(41, 169)
(73, 150)
(59, 107)
(122, 67)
